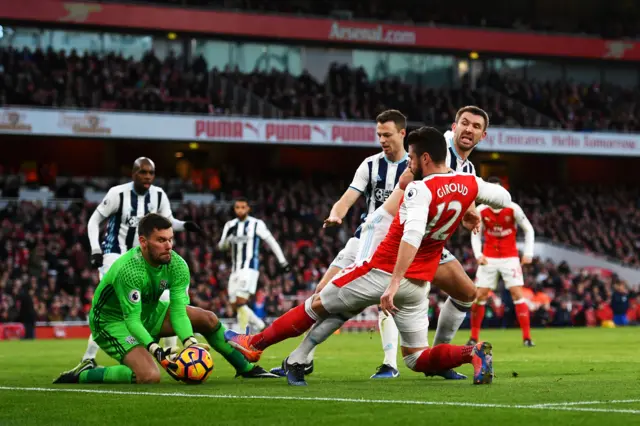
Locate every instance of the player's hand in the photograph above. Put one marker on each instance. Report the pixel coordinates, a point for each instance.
(526, 260)
(471, 221)
(406, 178)
(285, 268)
(332, 221)
(190, 226)
(386, 301)
(192, 341)
(96, 260)
(482, 260)
(165, 358)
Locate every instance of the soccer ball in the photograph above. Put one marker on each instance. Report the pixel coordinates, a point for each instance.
(194, 365)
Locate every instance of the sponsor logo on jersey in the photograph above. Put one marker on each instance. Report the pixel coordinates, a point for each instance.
(133, 221)
(163, 285)
(134, 296)
(382, 194)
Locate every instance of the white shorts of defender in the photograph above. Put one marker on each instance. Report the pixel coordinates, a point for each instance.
(508, 268)
(359, 286)
(447, 257)
(242, 283)
(107, 260)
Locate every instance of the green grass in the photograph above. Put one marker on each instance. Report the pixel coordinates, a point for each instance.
(571, 365)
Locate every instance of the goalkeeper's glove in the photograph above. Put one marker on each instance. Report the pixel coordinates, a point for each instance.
(192, 341)
(96, 260)
(194, 227)
(165, 358)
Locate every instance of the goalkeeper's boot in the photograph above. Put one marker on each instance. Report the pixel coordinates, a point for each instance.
(482, 362)
(73, 376)
(450, 374)
(257, 372)
(295, 374)
(242, 343)
(282, 370)
(528, 343)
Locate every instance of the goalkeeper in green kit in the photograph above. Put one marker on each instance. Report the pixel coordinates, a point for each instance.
(127, 318)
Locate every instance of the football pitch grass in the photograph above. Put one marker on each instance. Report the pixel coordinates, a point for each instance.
(573, 376)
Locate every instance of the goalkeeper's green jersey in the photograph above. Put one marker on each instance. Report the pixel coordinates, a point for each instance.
(131, 289)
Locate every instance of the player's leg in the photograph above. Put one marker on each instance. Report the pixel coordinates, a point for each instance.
(247, 285)
(413, 323)
(486, 281)
(453, 280)
(207, 324)
(92, 347)
(116, 341)
(511, 273)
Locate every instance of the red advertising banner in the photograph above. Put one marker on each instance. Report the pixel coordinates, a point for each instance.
(315, 29)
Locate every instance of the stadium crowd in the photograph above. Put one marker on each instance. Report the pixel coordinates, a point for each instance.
(45, 270)
(73, 80)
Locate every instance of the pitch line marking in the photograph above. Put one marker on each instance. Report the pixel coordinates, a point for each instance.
(568, 406)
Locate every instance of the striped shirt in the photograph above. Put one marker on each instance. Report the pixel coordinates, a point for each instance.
(244, 237)
(454, 161)
(124, 208)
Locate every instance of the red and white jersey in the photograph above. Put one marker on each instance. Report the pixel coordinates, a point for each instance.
(499, 226)
(430, 212)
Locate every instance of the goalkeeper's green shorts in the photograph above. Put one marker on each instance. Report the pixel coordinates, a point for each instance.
(114, 337)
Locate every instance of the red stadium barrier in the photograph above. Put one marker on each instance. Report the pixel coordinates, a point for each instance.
(63, 332)
(11, 330)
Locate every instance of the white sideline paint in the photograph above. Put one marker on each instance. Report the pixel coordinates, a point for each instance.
(563, 406)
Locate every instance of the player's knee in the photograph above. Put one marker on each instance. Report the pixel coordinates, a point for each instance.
(210, 320)
(148, 376)
(469, 293)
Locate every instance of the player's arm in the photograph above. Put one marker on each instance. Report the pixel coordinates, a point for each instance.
(223, 244)
(267, 237)
(179, 299)
(529, 234)
(107, 207)
(414, 212)
(492, 194)
(164, 209)
(350, 196)
(476, 240)
(128, 286)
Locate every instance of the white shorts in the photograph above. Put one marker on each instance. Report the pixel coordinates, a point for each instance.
(107, 260)
(242, 283)
(446, 257)
(509, 268)
(373, 231)
(359, 286)
(347, 255)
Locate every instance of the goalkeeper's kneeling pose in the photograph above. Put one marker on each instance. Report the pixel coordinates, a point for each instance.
(127, 317)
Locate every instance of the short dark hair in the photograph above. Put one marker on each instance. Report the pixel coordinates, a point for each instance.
(151, 222)
(241, 200)
(475, 111)
(429, 140)
(494, 179)
(398, 118)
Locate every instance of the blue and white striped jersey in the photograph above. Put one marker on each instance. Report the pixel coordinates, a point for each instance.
(124, 208)
(376, 178)
(454, 161)
(244, 237)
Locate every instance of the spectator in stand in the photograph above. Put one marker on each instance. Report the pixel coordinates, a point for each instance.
(620, 303)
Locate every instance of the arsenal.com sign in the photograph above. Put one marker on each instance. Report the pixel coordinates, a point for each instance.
(98, 124)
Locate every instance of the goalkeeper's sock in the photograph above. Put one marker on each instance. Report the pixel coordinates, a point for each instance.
(220, 345)
(292, 324)
(113, 374)
(243, 315)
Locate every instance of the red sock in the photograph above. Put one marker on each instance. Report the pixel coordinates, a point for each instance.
(443, 357)
(522, 312)
(292, 324)
(477, 315)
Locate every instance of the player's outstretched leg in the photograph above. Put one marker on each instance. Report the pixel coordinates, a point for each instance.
(389, 337)
(446, 356)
